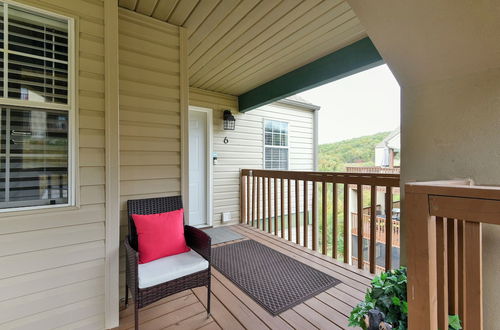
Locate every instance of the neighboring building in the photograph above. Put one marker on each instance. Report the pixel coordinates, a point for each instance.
(278, 136)
(386, 151)
(385, 163)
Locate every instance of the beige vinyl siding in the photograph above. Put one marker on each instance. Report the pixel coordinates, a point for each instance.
(149, 113)
(52, 261)
(246, 145)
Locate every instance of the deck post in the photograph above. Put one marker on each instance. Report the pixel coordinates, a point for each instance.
(422, 273)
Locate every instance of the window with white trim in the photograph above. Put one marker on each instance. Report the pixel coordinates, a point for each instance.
(35, 108)
(275, 145)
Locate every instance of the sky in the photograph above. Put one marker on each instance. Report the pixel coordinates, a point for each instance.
(362, 104)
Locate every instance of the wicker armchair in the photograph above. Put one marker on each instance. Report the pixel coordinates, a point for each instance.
(196, 239)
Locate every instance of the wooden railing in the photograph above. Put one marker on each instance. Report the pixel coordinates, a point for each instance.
(372, 169)
(380, 234)
(445, 251)
(279, 202)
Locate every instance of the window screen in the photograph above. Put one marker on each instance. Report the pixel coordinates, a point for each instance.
(34, 141)
(276, 145)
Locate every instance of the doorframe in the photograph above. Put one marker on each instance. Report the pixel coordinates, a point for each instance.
(209, 163)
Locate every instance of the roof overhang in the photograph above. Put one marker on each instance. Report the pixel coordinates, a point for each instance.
(349, 60)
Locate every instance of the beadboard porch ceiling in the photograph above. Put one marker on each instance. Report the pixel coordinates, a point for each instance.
(237, 45)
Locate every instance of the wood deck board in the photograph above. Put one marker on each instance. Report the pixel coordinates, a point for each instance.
(233, 309)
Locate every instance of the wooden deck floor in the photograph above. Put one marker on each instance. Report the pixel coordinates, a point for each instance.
(233, 309)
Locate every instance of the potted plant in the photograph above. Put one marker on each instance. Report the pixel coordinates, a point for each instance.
(386, 304)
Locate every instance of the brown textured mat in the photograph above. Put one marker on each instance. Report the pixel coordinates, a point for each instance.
(274, 280)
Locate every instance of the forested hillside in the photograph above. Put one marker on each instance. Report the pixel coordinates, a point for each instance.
(334, 157)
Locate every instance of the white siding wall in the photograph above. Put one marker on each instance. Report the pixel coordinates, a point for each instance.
(246, 145)
(52, 261)
(149, 113)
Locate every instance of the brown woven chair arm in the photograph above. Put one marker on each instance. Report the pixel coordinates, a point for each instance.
(132, 262)
(199, 241)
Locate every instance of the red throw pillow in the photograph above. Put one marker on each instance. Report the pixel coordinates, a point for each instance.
(160, 235)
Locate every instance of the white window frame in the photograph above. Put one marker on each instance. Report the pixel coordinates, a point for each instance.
(70, 107)
(276, 147)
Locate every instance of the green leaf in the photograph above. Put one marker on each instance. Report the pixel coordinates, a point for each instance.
(388, 295)
(454, 322)
(404, 307)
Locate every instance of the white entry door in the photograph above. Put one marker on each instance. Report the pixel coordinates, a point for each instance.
(199, 168)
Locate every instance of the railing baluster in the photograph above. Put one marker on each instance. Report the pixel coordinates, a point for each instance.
(254, 201)
(388, 228)
(314, 228)
(306, 213)
(258, 202)
(442, 272)
(264, 202)
(373, 239)
(258, 206)
(346, 224)
(243, 198)
(334, 220)
(248, 200)
(269, 222)
(275, 206)
(461, 269)
(473, 245)
(297, 212)
(324, 214)
(289, 204)
(282, 208)
(360, 226)
(452, 267)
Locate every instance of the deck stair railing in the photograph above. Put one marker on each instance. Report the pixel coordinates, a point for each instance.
(444, 254)
(380, 234)
(285, 203)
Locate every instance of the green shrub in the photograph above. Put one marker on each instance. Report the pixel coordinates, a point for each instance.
(388, 295)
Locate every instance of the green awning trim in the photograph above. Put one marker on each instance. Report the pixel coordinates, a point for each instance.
(357, 57)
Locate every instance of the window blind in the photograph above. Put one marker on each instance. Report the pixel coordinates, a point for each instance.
(35, 57)
(276, 145)
(34, 142)
(34, 157)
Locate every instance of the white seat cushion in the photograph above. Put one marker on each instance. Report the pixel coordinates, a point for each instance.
(169, 268)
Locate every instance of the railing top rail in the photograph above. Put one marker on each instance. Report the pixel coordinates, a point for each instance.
(464, 188)
(376, 179)
(459, 199)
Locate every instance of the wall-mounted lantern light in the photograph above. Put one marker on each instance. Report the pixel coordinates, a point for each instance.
(229, 121)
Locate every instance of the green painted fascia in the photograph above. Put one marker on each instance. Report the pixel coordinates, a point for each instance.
(357, 57)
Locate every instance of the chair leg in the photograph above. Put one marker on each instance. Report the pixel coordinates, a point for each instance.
(136, 316)
(126, 295)
(208, 299)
